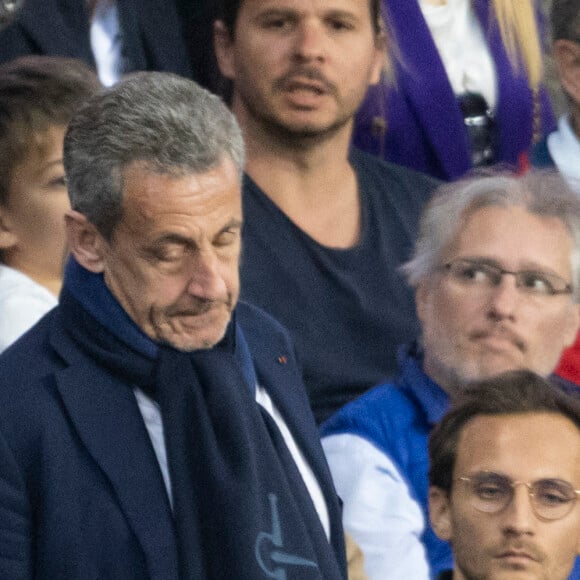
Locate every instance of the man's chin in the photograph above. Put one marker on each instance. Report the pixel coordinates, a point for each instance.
(487, 369)
(188, 338)
(307, 126)
(187, 343)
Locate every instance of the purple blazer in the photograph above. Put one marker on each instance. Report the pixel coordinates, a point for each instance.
(424, 125)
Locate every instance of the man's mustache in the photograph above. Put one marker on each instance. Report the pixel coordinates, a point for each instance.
(502, 331)
(522, 547)
(199, 306)
(306, 73)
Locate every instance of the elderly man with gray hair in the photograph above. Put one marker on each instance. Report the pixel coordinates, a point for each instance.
(496, 272)
(151, 426)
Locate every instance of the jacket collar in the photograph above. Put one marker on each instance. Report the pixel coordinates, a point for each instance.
(276, 369)
(106, 417)
(431, 398)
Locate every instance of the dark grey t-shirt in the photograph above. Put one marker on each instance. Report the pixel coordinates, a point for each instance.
(348, 310)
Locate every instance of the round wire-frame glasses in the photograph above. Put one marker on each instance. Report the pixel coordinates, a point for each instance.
(551, 499)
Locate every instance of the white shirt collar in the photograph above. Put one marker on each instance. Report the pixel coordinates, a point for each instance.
(106, 42)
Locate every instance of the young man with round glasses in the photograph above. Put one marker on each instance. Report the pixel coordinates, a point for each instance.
(496, 271)
(505, 480)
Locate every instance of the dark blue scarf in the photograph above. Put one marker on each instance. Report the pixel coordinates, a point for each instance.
(240, 507)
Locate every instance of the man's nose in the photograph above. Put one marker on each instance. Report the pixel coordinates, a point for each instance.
(206, 277)
(518, 516)
(504, 298)
(310, 41)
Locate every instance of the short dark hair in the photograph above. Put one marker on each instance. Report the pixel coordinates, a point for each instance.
(514, 392)
(230, 9)
(565, 20)
(37, 92)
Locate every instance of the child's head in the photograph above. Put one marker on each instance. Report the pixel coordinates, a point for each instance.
(38, 96)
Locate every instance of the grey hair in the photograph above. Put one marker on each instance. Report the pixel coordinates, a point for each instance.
(170, 123)
(541, 193)
(565, 20)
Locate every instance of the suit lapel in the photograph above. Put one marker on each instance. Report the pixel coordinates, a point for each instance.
(277, 372)
(107, 419)
(282, 385)
(276, 369)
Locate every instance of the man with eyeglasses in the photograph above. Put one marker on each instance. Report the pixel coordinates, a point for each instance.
(505, 480)
(496, 271)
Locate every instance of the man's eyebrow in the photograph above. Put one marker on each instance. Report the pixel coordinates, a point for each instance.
(489, 472)
(172, 238)
(486, 260)
(338, 13)
(285, 12)
(276, 12)
(233, 224)
(527, 266)
(53, 162)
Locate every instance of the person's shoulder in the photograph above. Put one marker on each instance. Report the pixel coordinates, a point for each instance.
(26, 354)
(377, 414)
(372, 170)
(540, 157)
(259, 325)
(251, 315)
(385, 416)
(22, 301)
(27, 370)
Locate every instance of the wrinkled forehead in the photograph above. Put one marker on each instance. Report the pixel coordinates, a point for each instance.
(232, 8)
(151, 193)
(514, 237)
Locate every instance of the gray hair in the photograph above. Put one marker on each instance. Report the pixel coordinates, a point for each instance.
(541, 193)
(565, 20)
(170, 123)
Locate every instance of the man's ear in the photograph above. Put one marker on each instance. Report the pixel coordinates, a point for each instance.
(8, 239)
(224, 49)
(440, 513)
(85, 243)
(567, 58)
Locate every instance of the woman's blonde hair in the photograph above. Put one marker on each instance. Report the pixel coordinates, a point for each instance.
(521, 37)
